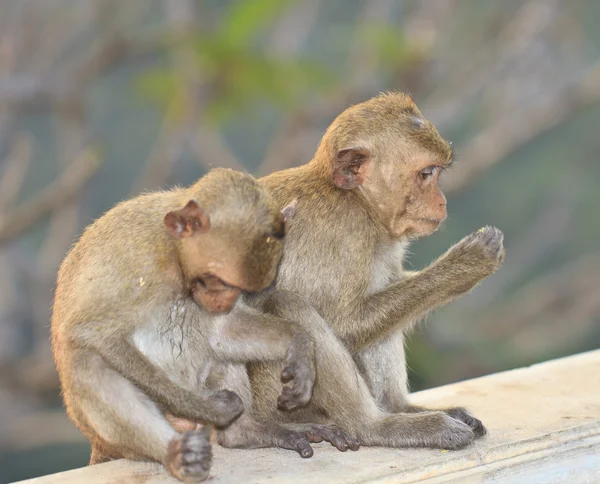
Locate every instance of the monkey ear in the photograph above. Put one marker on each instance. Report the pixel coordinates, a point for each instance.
(351, 167)
(289, 210)
(186, 221)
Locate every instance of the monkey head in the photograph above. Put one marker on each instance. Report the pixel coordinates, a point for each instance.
(230, 238)
(385, 149)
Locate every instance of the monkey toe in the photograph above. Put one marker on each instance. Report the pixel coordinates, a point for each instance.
(465, 416)
(190, 457)
(334, 436)
(293, 440)
(305, 450)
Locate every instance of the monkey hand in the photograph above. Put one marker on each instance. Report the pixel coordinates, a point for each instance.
(225, 407)
(476, 256)
(190, 456)
(299, 368)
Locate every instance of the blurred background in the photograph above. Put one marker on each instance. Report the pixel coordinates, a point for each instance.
(102, 99)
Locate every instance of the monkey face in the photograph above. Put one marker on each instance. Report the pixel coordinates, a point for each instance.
(231, 240)
(402, 188)
(421, 211)
(223, 262)
(385, 149)
(246, 255)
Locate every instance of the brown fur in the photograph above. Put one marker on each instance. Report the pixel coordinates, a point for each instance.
(371, 187)
(133, 335)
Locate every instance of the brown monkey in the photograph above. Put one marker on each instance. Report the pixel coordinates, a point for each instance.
(145, 322)
(371, 187)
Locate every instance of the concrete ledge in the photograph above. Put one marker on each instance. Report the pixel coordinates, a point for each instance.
(543, 422)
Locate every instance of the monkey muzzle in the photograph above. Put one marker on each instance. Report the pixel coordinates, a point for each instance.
(214, 294)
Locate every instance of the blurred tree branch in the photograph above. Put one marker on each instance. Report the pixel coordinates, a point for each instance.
(55, 195)
(529, 249)
(41, 428)
(563, 305)
(16, 165)
(497, 141)
(528, 73)
(39, 93)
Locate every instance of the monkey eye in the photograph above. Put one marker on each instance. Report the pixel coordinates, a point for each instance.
(279, 232)
(429, 172)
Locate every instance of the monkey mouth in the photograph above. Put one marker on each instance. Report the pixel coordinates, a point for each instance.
(211, 282)
(424, 226)
(214, 294)
(431, 221)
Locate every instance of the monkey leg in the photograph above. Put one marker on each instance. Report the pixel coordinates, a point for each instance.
(247, 433)
(342, 394)
(121, 421)
(383, 364)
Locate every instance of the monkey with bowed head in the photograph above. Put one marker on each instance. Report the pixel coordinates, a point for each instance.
(146, 322)
(370, 189)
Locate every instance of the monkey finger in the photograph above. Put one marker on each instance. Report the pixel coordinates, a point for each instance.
(287, 374)
(304, 449)
(302, 393)
(491, 235)
(284, 401)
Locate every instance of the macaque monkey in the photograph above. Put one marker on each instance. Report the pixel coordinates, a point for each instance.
(147, 322)
(371, 188)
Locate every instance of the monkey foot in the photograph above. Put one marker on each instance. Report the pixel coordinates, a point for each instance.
(464, 416)
(452, 434)
(190, 456)
(336, 437)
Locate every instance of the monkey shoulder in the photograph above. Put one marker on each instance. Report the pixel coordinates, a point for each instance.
(125, 255)
(297, 183)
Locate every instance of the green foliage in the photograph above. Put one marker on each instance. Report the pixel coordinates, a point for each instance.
(159, 85)
(235, 69)
(388, 41)
(245, 18)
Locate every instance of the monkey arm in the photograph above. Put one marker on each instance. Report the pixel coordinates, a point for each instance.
(247, 334)
(119, 352)
(250, 335)
(397, 306)
(456, 272)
